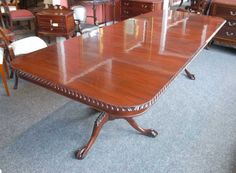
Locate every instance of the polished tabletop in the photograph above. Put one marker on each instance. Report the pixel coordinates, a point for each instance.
(126, 66)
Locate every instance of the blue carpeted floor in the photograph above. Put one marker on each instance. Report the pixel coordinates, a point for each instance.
(196, 121)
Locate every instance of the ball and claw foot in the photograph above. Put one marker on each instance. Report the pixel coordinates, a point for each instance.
(190, 75)
(80, 154)
(151, 133)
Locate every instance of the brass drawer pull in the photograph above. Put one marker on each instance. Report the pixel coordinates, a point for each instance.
(232, 23)
(144, 6)
(53, 24)
(229, 33)
(232, 13)
(126, 12)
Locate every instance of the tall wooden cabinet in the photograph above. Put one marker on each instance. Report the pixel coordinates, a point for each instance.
(227, 10)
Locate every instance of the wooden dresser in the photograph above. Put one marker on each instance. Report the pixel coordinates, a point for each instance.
(132, 8)
(227, 10)
(55, 22)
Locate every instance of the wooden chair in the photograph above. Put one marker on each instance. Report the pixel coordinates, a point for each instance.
(16, 15)
(19, 47)
(13, 5)
(80, 16)
(198, 6)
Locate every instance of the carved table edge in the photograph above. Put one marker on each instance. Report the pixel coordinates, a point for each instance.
(75, 95)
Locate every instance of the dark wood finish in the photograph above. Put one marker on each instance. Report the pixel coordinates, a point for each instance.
(227, 10)
(123, 70)
(29, 3)
(100, 121)
(55, 22)
(147, 132)
(189, 75)
(132, 8)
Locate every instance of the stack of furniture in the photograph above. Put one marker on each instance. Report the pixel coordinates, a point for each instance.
(226, 9)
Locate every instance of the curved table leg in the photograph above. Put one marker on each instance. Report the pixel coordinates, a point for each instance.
(100, 121)
(147, 132)
(189, 75)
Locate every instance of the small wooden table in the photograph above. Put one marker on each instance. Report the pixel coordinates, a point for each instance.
(55, 22)
(123, 70)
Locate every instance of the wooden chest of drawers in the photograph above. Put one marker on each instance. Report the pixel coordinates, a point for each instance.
(227, 10)
(134, 8)
(55, 22)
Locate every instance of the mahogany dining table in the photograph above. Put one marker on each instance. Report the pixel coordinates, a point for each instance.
(124, 68)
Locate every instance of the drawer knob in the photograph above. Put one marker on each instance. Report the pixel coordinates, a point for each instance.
(229, 33)
(232, 23)
(232, 13)
(126, 12)
(144, 6)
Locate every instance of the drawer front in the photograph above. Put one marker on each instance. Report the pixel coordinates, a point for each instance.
(127, 4)
(48, 19)
(228, 12)
(54, 22)
(134, 8)
(227, 33)
(231, 24)
(51, 29)
(145, 7)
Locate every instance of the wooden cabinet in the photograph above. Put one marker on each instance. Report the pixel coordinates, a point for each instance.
(29, 3)
(134, 8)
(55, 22)
(227, 10)
(130, 8)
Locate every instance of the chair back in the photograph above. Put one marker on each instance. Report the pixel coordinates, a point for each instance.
(4, 6)
(6, 45)
(79, 13)
(200, 6)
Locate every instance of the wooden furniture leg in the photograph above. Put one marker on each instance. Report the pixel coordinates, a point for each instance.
(16, 81)
(189, 75)
(4, 79)
(146, 132)
(100, 121)
(6, 69)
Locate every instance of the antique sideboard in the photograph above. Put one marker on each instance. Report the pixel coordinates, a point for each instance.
(227, 10)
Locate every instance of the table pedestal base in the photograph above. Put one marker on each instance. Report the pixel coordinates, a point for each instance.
(100, 121)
